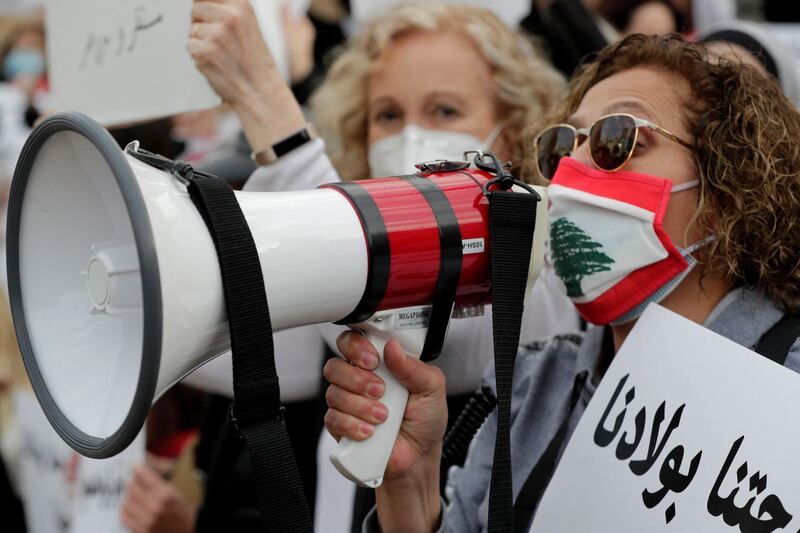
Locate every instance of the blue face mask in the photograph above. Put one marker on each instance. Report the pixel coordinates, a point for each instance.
(23, 61)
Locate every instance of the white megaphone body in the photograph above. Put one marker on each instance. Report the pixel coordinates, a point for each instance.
(115, 286)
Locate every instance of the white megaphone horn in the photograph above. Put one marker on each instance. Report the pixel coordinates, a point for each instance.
(115, 289)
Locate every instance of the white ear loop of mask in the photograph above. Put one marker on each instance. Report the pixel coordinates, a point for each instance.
(692, 248)
(686, 186)
(492, 137)
(689, 250)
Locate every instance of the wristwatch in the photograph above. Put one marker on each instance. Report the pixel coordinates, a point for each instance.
(271, 154)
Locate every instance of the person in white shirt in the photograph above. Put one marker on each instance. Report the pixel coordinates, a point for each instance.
(420, 82)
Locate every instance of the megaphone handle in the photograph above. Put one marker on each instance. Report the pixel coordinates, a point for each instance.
(365, 462)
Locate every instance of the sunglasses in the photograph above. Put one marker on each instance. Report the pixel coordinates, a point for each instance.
(612, 141)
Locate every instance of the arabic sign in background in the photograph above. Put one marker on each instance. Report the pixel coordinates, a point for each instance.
(121, 61)
(62, 491)
(43, 464)
(688, 431)
(99, 489)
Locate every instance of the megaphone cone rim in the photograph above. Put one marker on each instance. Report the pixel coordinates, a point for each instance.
(88, 445)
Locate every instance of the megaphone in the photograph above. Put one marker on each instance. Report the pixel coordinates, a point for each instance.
(115, 287)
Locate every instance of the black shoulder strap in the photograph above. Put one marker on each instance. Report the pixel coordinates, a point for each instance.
(511, 225)
(257, 412)
(778, 340)
(534, 487)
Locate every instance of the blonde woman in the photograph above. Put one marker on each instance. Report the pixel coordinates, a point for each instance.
(435, 68)
(423, 81)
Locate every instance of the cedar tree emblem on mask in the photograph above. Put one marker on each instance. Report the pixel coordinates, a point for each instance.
(575, 255)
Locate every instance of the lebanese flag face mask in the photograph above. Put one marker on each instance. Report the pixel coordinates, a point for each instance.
(607, 242)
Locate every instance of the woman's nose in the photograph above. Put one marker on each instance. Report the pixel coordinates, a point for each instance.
(582, 153)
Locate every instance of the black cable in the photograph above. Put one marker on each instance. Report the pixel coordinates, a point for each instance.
(472, 417)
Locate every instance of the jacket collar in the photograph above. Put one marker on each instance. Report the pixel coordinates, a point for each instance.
(743, 316)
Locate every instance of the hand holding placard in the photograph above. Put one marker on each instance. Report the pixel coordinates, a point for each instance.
(227, 46)
(120, 61)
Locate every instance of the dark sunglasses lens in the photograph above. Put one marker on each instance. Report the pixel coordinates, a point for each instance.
(612, 140)
(554, 143)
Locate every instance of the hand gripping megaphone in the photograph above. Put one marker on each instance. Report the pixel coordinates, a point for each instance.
(115, 289)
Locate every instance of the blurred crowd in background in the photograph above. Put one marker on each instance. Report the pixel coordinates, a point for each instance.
(187, 439)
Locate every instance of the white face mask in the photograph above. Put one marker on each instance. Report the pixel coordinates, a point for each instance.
(397, 154)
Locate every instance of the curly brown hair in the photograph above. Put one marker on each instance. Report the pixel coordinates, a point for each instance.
(746, 139)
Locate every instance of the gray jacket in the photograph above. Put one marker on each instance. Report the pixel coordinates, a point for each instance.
(543, 380)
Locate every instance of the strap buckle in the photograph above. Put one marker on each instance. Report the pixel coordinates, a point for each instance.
(234, 420)
(181, 170)
(488, 162)
(441, 165)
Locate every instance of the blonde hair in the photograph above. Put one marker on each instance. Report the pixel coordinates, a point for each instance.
(526, 84)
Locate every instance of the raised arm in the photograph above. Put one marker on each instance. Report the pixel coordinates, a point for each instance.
(228, 48)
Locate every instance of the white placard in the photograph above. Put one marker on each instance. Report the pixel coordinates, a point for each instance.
(100, 487)
(44, 461)
(121, 61)
(687, 432)
(510, 11)
(63, 492)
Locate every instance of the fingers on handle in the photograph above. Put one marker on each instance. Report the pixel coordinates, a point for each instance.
(345, 425)
(358, 350)
(413, 374)
(368, 410)
(353, 379)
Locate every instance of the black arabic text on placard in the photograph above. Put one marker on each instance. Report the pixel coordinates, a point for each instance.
(120, 39)
(673, 478)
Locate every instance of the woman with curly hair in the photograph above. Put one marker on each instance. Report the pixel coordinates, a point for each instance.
(686, 173)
